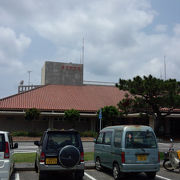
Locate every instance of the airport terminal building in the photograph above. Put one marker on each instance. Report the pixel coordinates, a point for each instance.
(62, 88)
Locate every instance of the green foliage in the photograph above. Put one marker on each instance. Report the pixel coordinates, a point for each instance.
(19, 133)
(109, 115)
(88, 156)
(32, 114)
(150, 95)
(72, 115)
(88, 134)
(126, 105)
(27, 134)
(35, 134)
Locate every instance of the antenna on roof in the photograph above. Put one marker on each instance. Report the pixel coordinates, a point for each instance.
(83, 51)
(164, 67)
(29, 72)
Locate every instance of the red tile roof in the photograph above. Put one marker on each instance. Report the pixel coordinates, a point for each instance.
(87, 98)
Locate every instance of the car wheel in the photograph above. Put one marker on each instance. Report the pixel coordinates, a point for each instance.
(69, 156)
(79, 175)
(42, 175)
(116, 172)
(151, 175)
(35, 165)
(98, 164)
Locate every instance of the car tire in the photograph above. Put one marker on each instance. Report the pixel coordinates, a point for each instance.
(116, 172)
(36, 168)
(151, 175)
(79, 175)
(35, 165)
(98, 164)
(69, 156)
(41, 175)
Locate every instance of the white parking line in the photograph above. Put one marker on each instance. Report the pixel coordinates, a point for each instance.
(17, 176)
(90, 177)
(161, 177)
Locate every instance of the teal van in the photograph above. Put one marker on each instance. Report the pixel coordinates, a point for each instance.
(127, 149)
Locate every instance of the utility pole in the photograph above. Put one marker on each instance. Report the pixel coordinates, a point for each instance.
(100, 119)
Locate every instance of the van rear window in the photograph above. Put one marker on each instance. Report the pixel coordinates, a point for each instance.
(1, 142)
(140, 139)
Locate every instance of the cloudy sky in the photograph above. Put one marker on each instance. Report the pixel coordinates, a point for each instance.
(123, 38)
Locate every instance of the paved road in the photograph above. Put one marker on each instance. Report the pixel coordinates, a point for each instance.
(163, 147)
(88, 147)
(30, 147)
(95, 175)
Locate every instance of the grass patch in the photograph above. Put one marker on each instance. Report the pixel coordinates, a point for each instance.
(88, 156)
(30, 157)
(24, 157)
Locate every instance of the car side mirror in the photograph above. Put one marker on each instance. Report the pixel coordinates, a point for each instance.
(37, 143)
(15, 146)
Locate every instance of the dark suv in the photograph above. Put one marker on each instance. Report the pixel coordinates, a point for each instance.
(60, 151)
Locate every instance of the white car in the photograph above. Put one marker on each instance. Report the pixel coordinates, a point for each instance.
(6, 155)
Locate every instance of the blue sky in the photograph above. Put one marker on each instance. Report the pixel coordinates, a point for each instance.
(168, 12)
(123, 38)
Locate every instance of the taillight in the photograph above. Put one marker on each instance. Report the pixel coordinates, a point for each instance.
(6, 152)
(82, 157)
(123, 157)
(42, 157)
(159, 157)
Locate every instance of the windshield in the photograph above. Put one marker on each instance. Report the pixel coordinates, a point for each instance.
(140, 139)
(1, 142)
(58, 140)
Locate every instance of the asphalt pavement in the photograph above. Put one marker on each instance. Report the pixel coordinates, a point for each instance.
(89, 165)
(92, 174)
(28, 146)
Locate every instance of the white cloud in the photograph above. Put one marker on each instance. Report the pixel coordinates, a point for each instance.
(177, 29)
(116, 41)
(161, 28)
(11, 45)
(12, 48)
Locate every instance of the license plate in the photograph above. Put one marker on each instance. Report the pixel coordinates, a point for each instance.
(141, 157)
(51, 160)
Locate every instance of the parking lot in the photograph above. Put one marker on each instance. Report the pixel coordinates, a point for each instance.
(92, 174)
(95, 175)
